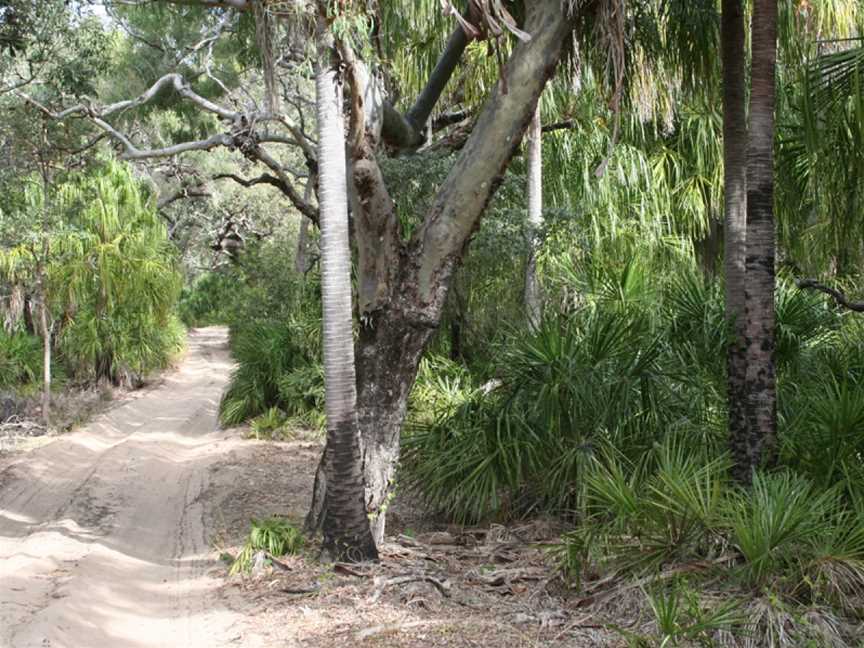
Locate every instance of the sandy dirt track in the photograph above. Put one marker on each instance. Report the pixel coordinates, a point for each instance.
(102, 532)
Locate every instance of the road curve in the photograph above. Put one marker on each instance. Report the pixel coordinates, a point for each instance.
(102, 535)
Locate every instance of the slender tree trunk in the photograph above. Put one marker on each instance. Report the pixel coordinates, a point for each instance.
(301, 261)
(29, 324)
(533, 298)
(46, 359)
(346, 526)
(735, 226)
(760, 384)
(708, 249)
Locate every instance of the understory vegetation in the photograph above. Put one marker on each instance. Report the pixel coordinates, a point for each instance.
(603, 402)
(274, 333)
(88, 260)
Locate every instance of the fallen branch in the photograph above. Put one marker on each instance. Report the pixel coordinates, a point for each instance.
(840, 298)
(510, 575)
(393, 627)
(669, 573)
(442, 586)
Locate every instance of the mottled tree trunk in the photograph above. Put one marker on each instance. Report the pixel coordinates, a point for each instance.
(402, 287)
(534, 158)
(389, 353)
(760, 384)
(29, 324)
(708, 249)
(735, 226)
(345, 524)
(44, 322)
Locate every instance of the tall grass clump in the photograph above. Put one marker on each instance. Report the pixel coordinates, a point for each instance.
(20, 359)
(272, 356)
(275, 337)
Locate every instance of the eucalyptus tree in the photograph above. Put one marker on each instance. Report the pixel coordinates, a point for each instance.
(403, 279)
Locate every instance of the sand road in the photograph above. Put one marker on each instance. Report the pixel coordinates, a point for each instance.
(102, 532)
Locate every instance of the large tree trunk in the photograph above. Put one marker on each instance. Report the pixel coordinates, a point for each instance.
(760, 384)
(389, 352)
(346, 526)
(735, 225)
(533, 298)
(402, 287)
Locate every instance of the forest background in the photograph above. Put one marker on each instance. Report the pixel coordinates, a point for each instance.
(162, 165)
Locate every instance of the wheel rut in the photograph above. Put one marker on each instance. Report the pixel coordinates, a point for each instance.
(102, 534)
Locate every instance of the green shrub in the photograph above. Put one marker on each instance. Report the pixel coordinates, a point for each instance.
(20, 359)
(668, 506)
(301, 392)
(268, 353)
(578, 383)
(772, 523)
(209, 300)
(269, 425)
(121, 275)
(274, 535)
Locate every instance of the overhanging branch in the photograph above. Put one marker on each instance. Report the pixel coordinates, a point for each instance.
(286, 188)
(840, 298)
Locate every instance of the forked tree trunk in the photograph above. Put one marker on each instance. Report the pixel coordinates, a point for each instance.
(533, 298)
(402, 287)
(735, 226)
(345, 524)
(760, 384)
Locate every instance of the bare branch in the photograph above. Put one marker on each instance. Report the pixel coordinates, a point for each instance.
(16, 86)
(838, 297)
(132, 152)
(286, 188)
(185, 192)
(172, 80)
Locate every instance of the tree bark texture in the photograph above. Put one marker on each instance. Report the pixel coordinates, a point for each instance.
(346, 526)
(533, 298)
(402, 287)
(760, 384)
(46, 358)
(735, 225)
